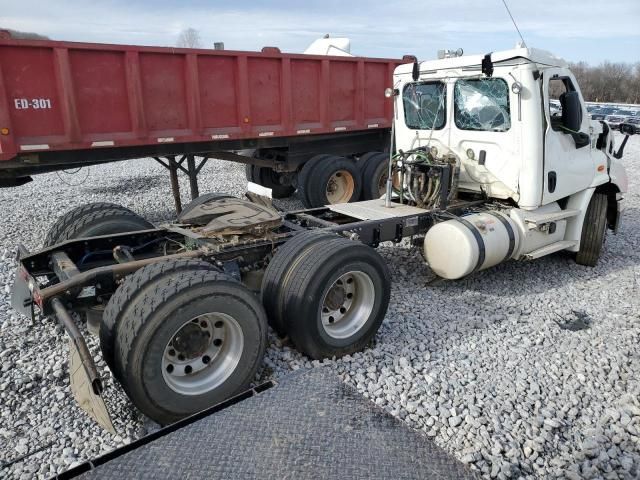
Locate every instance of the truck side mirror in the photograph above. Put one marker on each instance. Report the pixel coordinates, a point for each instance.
(571, 111)
(627, 129)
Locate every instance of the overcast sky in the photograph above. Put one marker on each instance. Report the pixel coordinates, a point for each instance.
(591, 30)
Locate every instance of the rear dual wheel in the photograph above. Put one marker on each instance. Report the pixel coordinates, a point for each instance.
(93, 219)
(186, 337)
(329, 294)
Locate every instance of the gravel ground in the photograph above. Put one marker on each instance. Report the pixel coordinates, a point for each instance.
(526, 370)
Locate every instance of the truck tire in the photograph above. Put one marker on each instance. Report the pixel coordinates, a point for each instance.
(335, 298)
(95, 219)
(275, 274)
(333, 180)
(374, 176)
(134, 285)
(200, 200)
(594, 230)
(364, 159)
(305, 179)
(192, 340)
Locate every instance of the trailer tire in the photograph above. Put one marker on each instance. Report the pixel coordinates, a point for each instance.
(134, 285)
(594, 231)
(167, 333)
(374, 176)
(305, 177)
(335, 298)
(364, 159)
(95, 219)
(199, 201)
(334, 180)
(277, 270)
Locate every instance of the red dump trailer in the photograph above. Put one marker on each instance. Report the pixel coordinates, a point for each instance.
(66, 104)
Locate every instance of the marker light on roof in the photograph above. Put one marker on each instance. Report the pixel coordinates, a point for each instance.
(450, 53)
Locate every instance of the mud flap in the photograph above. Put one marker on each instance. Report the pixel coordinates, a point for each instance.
(83, 391)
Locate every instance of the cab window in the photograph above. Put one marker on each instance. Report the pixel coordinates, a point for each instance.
(558, 86)
(425, 105)
(482, 104)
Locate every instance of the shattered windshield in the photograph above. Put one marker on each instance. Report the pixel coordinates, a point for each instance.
(482, 104)
(424, 105)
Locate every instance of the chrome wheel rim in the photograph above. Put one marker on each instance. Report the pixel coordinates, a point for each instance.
(202, 353)
(340, 187)
(347, 305)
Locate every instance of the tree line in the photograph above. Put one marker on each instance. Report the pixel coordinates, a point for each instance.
(609, 82)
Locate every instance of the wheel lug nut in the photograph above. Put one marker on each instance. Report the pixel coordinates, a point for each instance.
(206, 359)
(188, 369)
(219, 324)
(169, 368)
(172, 352)
(217, 342)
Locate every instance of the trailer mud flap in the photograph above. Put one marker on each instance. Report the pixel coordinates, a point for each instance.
(83, 392)
(21, 293)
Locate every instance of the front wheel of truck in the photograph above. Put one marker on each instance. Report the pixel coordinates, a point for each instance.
(192, 340)
(594, 230)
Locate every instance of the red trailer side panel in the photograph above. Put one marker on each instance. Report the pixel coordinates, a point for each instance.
(64, 96)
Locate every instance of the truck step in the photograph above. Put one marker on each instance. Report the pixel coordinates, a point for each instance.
(537, 219)
(547, 249)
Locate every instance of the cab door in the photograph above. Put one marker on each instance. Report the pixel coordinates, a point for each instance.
(567, 168)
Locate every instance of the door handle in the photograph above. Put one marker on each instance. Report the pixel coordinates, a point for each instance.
(551, 181)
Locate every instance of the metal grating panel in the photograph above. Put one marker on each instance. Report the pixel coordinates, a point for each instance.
(375, 210)
(311, 425)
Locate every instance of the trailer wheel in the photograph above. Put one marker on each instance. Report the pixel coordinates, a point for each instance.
(374, 176)
(126, 294)
(193, 339)
(334, 180)
(199, 201)
(364, 159)
(276, 273)
(335, 298)
(95, 219)
(305, 178)
(594, 230)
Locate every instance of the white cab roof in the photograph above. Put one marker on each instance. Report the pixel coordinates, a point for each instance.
(533, 55)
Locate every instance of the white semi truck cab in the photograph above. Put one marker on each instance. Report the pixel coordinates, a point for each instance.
(551, 181)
